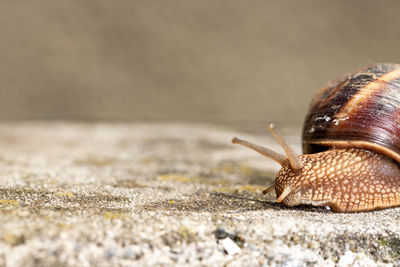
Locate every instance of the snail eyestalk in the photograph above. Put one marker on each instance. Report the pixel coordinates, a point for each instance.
(269, 189)
(284, 194)
(292, 156)
(262, 150)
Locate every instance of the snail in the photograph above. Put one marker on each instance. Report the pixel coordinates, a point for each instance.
(351, 144)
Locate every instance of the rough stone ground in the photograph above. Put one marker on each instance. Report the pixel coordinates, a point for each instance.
(155, 194)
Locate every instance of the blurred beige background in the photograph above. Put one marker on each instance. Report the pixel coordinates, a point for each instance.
(209, 61)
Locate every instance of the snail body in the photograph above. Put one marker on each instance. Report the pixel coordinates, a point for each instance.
(351, 141)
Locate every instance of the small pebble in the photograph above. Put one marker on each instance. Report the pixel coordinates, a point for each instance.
(347, 259)
(230, 247)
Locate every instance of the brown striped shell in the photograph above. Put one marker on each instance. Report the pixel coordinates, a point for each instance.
(360, 110)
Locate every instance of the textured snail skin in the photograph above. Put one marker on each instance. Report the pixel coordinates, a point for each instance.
(347, 180)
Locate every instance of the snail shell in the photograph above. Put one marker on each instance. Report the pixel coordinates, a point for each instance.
(361, 110)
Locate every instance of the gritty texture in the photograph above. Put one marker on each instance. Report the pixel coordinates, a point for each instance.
(165, 194)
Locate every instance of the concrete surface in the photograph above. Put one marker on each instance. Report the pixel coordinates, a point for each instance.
(76, 194)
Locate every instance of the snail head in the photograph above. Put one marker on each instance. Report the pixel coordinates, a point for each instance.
(291, 165)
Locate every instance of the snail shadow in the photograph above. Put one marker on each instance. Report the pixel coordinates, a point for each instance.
(267, 204)
(216, 202)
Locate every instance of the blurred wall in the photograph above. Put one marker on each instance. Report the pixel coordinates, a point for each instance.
(203, 60)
